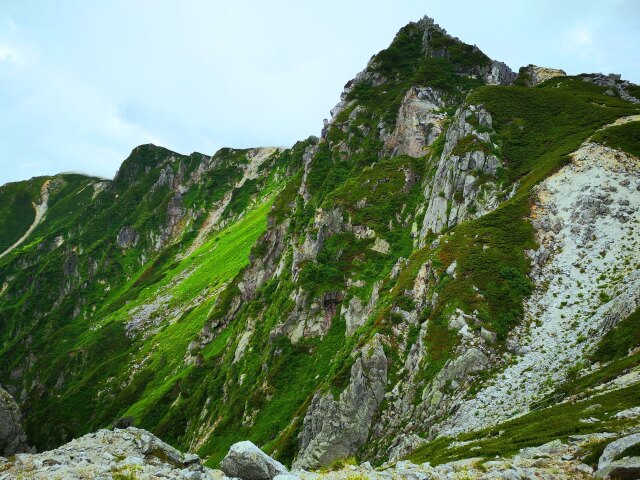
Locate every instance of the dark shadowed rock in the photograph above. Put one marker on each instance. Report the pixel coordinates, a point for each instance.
(12, 437)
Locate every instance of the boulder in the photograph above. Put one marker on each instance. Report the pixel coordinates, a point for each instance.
(248, 462)
(627, 468)
(12, 437)
(615, 448)
(119, 453)
(609, 462)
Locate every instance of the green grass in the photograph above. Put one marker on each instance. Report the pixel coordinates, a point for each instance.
(16, 210)
(75, 322)
(618, 341)
(91, 349)
(535, 428)
(217, 263)
(624, 137)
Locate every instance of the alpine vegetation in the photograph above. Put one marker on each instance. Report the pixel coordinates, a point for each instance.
(444, 285)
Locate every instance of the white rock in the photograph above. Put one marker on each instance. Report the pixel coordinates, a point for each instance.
(248, 462)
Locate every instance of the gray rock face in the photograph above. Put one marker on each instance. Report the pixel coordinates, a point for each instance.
(12, 437)
(247, 462)
(335, 429)
(627, 468)
(127, 237)
(403, 445)
(356, 313)
(443, 392)
(457, 191)
(420, 121)
(614, 450)
(130, 453)
(616, 86)
(499, 73)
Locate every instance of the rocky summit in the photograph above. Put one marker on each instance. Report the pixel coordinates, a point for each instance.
(444, 284)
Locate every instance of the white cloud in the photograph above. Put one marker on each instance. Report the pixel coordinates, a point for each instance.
(11, 54)
(580, 36)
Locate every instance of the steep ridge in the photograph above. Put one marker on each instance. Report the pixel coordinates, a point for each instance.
(40, 209)
(450, 257)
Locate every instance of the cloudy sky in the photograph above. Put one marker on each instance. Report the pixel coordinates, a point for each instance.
(82, 83)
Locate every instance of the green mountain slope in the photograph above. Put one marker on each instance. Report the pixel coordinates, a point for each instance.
(348, 296)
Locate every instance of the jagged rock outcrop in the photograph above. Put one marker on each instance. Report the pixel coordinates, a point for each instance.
(127, 237)
(491, 71)
(335, 429)
(130, 453)
(420, 121)
(616, 87)
(464, 183)
(438, 396)
(12, 437)
(499, 73)
(532, 75)
(355, 312)
(247, 462)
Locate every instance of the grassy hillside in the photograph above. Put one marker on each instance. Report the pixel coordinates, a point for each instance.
(204, 298)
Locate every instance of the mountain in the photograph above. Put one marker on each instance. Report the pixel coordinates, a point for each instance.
(452, 267)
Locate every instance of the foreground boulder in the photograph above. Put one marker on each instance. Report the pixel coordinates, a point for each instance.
(106, 454)
(614, 463)
(12, 437)
(248, 462)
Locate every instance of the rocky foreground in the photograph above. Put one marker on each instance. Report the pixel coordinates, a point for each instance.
(133, 453)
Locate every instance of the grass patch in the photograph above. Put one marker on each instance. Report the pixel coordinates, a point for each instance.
(625, 137)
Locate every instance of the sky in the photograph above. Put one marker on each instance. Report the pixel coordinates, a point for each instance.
(83, 82)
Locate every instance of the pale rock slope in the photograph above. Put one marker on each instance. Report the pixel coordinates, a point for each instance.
(586, 276)
(106, 454)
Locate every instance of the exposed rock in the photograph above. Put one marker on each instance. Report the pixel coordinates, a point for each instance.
(455, 192)
(420, 121)
(614, 450)
(310, 317)
(575, 215)
(616, 86)
(380, 245)
(356, 313)
(443, 391)
(451, 269)
(629, 413)
(307, 157)
(12, 437)
(286, 476)
(247, 462)
(532, 75)
(127, 237)
(335, 429)
(403, 445)
(326, 223)
(107, 454)
(554, 461)
(499, 73)
(263, 267)
(627, 468)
